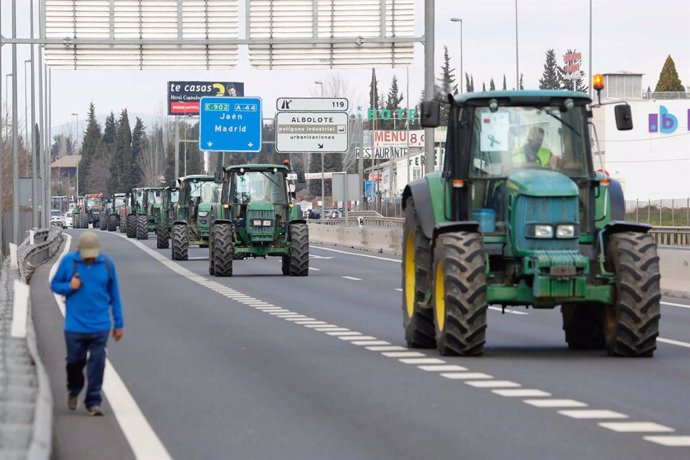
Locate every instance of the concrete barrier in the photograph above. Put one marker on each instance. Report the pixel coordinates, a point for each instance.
(674, 264)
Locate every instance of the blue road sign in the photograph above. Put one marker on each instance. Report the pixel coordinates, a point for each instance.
(230, 124)
(368, 188)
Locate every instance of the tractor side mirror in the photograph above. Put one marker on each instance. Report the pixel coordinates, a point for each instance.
(431, 114)
(623, 117)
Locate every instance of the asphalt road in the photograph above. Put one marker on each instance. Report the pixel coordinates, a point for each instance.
(262, 366)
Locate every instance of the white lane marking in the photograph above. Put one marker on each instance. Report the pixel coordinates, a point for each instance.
(369, 342)
(403, 354)
(314, 269)
(352, 278)
(398, 289)
(508, 310)
(493, 384)
(669, 441)
(636, 427)
(443, 368)
(136, 429)
(674, 342)
(387, 348)
(466, 375)
(522, 393)
(295, 318)
(323, 328)
(355, 254)
(421, 361)
(344, 332)
(321, 324)
(591, 414)
(315, 256)
(679, 305)
(353, 338)
(554, 403)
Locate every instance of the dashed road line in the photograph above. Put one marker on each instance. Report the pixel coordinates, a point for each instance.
(493, 384)
(591, 414)
(443, 368)
(636, 427)
(669, 441)
(508, 310)
(352, 278)
(679, 305)
(673, 342)
(554, 403)
(521, 393)
(466, 375)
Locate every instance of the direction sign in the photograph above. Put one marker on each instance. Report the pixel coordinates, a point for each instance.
(230, 124)
(311, 132)
(312, 104)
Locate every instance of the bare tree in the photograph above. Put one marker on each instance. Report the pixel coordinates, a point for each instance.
(152, 158)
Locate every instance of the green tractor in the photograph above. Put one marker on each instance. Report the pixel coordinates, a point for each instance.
(198, 197)
(137, 219)
(154, 206)
(258, 219)
(80, 217)
(520, 216)
(114, 211)
(164, 218)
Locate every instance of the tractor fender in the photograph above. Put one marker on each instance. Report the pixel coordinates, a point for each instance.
(447, 227)
(419, 191)
(222, 221)
(618, 226)
(616, 200)
(297, 221)
(180, 222)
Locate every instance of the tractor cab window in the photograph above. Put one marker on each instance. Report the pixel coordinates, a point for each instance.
(209, 192)
(119, 201)
(258, 186)
(91, 202)
(174, 196)
(514, 138)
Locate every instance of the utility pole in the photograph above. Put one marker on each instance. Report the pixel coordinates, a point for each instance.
(34, 146)
(429, 46)
(15, 137)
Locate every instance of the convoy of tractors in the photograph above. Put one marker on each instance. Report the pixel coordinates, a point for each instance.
(520, 215)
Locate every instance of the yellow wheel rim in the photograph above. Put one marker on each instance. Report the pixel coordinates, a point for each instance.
(440, 297)
(409, 275)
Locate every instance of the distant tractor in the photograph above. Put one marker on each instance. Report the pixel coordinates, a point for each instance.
(80, 216)
(93, 206)
(198, 195)
(257, 219)
(113, 211)
(164, 219)
(137, 219)
(520, 216)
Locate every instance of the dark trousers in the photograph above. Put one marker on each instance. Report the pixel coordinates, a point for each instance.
(86, 350)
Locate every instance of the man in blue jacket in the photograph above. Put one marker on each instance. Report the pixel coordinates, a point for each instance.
(88, 281)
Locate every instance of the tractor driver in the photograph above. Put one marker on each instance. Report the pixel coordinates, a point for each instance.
(533, 154)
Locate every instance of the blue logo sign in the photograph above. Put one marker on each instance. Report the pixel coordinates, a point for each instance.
(230, 124)
(368, 188)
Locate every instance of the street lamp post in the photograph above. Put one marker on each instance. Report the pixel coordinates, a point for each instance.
(323, 189)
(7, 113)
(517, 60)
(462, 75)
(26, 107)
(76, 132)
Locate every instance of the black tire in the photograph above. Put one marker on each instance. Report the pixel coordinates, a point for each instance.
(180, 242)
(142, 227)
(632, 322)
(285, 265)
(131, 225)
(584, 326)
(162, 236)
(459, 294)
(299, 249)
(223, 251)
(103, 223)
(112, 222)
(84, 220)
(122, 223)
(418, 322)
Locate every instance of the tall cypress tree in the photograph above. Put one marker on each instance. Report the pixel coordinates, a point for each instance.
(139, 142)
(110, 130)
(120, 179)
(505, 86)
(668, 78)
(373, 99)
(550, 78)
(492, 85)
(447, 79)
(393, 100)
(89, 151)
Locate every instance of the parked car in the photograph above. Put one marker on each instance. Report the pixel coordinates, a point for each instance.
(68, 219)
(56, 218)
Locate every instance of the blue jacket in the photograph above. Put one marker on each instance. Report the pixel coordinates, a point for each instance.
(88, 308)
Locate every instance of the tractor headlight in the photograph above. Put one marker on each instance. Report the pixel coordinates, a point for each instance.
(540, 231)
(203, 213)
(566, 231)
(256, 222)
(267, 223)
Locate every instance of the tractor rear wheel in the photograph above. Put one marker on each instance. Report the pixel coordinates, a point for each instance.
(103, 223)
(584, 326)
(222, 250)
(122, 223)
(84, 220)
(632, 322)
(418, 322)
(285, 265)
(180, 242)
(459, 294)
(131, 225)
(142, 227)
(299, 249)
(112, 222)
(162, 235)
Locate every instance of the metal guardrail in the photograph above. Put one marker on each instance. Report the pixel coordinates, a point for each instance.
(668, 236)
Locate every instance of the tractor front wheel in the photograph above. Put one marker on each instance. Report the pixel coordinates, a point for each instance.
(112, 222)
(103, 223)
(459, 294)
(180, 242)
(418, 322)
(122, 223)
(162, 235)
(299, 250)
(222, 251)
(142, 227)
(632, 322)
(584, 326)
(131, 225)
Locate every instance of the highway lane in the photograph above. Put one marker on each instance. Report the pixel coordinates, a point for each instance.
(221, 379)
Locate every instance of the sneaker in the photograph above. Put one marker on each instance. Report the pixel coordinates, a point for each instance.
(95, 411)
(72, 402)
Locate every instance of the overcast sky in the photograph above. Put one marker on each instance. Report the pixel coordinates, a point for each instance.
(634, 35)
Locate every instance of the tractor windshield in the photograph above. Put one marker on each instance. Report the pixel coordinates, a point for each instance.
(513, 138)
(93, 202)
(119, 201)
(258, 186)
(209, 192)
(155, 197)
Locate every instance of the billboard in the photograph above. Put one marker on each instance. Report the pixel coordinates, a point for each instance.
(184, 96)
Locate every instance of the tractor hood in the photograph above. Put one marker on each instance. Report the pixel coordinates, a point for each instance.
(260, 206)
(205, 207)
(541, 182)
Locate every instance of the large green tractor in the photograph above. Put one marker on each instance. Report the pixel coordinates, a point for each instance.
(258, 219)
(198, 197)
(137, 218)
(520, 216)
(154, 206)
(164, 218)
(80, 216)
(114, 211)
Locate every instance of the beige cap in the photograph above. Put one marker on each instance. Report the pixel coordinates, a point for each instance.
(89, 247)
